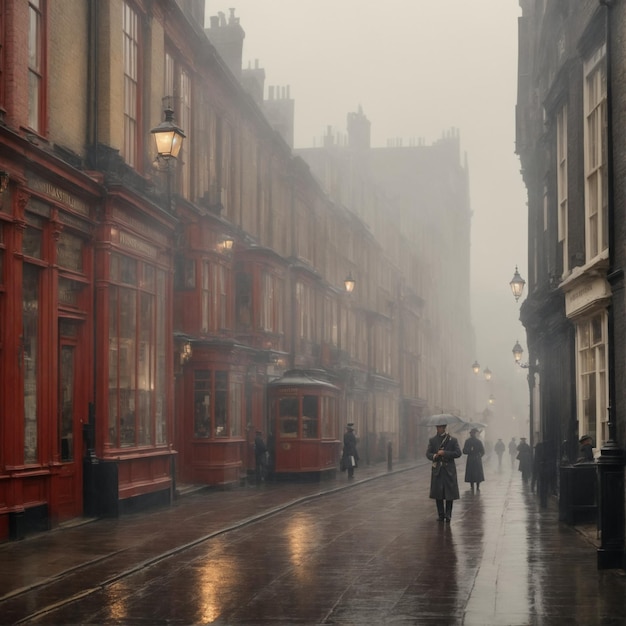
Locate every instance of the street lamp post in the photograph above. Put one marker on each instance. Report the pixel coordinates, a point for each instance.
(518, 351)
(517, 285)
(168, 138)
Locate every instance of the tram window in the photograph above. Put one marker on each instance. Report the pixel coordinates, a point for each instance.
(288, 417)
(310, 417)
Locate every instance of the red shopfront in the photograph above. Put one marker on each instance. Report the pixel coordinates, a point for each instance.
(133, 463)
(46, 329)
(212, 403)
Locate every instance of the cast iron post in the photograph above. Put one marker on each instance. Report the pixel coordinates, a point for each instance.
(611, 484)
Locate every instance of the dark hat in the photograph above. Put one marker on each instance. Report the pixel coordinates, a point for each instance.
(522, 438)
(259, 432)
(350, 426)
(474, 430)
(584, 437)
(438, 425)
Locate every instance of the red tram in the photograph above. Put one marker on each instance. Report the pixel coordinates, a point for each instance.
(303, 425)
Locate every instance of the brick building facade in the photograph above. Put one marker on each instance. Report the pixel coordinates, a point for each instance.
(145, 305)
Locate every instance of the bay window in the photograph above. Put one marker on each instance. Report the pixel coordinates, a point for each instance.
(137, 353)
(217, 404)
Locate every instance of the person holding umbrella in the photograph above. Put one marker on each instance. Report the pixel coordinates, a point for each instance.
(444, 488)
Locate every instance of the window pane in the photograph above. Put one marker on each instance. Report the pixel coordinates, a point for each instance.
(66, 402)
(145, 368)
(236, 391)
(32, 242)
(127, 366)
(202, 403)
(30, 346)
(310, 416)
(221, 396)
(70, 252)
(113, 365)
(288, 412)
(161, 355)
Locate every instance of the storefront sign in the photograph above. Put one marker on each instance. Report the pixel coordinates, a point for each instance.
(128, 241)
(585, 294)
(139, 226)
(35, 183)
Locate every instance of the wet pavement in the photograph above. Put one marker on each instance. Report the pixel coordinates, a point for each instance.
(367, 551)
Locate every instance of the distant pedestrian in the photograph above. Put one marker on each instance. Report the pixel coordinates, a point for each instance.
(474, 468)
(349, 455)
(525, 458)
(585, 450)
(513, 451)
(444, 488)
(499, 448)
(260, 457)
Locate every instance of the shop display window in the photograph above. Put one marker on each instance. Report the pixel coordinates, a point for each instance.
(217, 405)
(137, 353)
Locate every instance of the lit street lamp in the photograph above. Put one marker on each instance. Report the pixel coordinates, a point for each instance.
(517, 285)
(168, 138)
(476, 367)
(349, 283)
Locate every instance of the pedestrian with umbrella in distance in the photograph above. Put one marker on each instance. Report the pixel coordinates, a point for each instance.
(442, 450)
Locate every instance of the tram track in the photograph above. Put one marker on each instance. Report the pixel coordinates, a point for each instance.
(26, 604)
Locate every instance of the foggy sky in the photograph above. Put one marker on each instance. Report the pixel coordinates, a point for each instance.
(418, 68)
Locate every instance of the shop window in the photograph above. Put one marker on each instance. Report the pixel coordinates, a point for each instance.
(32, 241)
(217, 405)
(137, 353)
(221, 395)
(66, 402)
(30, 359)
(70, 252)
(310, 417)
(288, 412)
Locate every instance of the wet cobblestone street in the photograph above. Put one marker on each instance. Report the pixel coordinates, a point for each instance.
(364, 552)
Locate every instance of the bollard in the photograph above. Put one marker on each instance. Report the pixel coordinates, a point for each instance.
(389, 456)
(611, 514)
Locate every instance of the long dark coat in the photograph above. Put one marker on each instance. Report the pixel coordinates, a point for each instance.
(443, 481)
(349, 447)
(525, 456)
(475, 451)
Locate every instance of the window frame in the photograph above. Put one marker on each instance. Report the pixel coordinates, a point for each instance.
(231, 414)
(38, 71)
(146, 286)
(593, 351)
(133, 124)
(595, 156)
(562, 187)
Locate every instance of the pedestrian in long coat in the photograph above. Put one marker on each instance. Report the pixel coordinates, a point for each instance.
(499, 448)
(525, 458)
(350, 455)
(474, 468)
(512, 451)
(444, 488)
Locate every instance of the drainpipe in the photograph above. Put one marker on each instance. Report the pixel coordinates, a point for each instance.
(611, 462)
